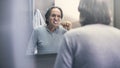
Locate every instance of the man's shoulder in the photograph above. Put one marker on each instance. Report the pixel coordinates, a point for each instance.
(62, 29)
(39, 28)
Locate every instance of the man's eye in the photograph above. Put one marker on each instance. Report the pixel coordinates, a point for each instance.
(53, 15)
(59, 16)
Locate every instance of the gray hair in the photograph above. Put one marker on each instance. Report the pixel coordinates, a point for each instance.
(94, 11)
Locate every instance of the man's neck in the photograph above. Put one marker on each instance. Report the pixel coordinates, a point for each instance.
(51, 28)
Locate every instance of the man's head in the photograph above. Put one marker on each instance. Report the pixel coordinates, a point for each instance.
(93, 12)
(54, 16)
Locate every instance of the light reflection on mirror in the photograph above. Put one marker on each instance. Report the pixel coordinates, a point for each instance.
(70, 10)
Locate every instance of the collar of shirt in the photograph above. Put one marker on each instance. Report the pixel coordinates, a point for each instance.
(55, 31)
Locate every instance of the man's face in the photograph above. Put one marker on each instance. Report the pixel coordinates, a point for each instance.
(55, 17)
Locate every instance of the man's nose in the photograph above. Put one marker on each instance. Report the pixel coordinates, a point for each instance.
(56, 17)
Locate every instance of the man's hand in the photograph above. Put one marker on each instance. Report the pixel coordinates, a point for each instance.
(67, 24)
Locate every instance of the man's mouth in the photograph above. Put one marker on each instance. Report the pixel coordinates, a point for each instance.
(55, 22)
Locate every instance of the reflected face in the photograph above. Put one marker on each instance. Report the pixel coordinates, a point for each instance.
(55, 17)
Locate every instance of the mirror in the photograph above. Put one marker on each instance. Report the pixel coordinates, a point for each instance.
(70, 13)
(70, 10)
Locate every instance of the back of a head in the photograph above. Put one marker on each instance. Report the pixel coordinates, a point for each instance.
(94, 11)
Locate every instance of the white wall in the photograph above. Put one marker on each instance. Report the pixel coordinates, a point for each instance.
(70, 10)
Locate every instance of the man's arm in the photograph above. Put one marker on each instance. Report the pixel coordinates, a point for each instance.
(65, 55)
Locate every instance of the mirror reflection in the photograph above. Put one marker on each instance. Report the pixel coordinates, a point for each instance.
(46, 38)
(51, 21)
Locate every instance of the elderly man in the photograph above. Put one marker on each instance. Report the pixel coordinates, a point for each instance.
(95, 44)
(46, 39)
